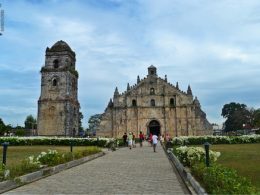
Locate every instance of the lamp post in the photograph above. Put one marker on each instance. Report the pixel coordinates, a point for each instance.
(5, 145)
(206, 145)
(71, 145)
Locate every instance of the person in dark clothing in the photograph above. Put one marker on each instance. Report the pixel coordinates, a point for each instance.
(124, 139)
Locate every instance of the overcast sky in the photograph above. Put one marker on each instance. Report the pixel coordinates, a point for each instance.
(212, 45)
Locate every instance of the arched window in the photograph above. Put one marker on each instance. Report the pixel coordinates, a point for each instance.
(152, 102)
(133, 102)
(56, 63)
(54, 82)
(172, 102)
(152, 91)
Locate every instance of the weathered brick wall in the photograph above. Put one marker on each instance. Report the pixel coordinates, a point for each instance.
(183, 118)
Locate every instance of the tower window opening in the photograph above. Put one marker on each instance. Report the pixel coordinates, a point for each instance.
(134, 103)
(152, 72)
(152, 91)
(152, 102)
(172, 102)
(54, 82)
(56, 63)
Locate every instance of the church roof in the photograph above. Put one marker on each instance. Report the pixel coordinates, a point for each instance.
(60, 46)
(152, 66)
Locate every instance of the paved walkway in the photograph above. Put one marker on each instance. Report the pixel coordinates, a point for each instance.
(136, 171)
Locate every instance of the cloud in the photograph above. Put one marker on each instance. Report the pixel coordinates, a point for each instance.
(194, 42)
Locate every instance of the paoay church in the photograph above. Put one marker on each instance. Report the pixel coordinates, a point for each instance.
(153, 105)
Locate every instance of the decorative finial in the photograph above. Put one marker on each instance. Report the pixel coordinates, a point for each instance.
(128, 87)
(189, 92)
(116, 93)
(196, 102)
(177, 85)
(138, 79)
(165, 78)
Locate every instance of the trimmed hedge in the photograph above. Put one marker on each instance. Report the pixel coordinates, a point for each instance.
(23, 141)
(199, 140)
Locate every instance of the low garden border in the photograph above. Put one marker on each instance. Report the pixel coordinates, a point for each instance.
(31, 177)
(185, 174)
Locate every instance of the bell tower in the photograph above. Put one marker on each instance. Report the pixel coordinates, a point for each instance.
(58, 106)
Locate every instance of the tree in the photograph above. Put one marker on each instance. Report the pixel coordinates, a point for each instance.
(2, 127)
(80, 121)
(256, 118)
(30, 122)
(81, 129)
(94, 122)
(237, 115)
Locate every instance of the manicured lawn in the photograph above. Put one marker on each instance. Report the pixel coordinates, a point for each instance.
(15, 154)
(245, 158)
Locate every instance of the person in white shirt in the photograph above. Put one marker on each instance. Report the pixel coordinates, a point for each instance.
(155, 141)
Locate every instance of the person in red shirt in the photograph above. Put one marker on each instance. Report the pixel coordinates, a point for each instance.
(151, 139)
(141, 138)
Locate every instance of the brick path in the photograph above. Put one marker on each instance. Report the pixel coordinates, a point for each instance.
(136, 171)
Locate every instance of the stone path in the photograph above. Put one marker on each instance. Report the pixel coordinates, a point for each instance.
(136, 171)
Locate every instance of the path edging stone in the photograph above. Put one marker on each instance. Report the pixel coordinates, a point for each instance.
(186, 175)
(30, 177)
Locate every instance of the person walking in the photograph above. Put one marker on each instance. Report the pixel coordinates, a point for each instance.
(155, 141)
(130, 140)
(141, 138)
(151, 139)
(134, 141)
(125, 139)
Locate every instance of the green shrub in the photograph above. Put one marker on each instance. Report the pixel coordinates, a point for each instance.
(221, 180)
(199, 140)
(58, 141)
(50, 158)
(189, 156)
(2, 172)
(20, 132)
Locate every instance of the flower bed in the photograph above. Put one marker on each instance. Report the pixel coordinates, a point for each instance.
(189, 156)
(216, 179)
(44, 159)
(58, 141)
(199, 140)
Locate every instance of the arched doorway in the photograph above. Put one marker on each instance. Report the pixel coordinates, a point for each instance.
(154, 128)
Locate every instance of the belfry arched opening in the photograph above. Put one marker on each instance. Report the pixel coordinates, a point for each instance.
(154, 128)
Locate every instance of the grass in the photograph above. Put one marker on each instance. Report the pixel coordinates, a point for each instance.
(245, 158)
(15, 154)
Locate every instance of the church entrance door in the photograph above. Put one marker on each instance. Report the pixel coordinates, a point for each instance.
(154, 128)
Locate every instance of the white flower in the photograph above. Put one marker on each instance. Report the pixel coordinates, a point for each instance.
(6, 173)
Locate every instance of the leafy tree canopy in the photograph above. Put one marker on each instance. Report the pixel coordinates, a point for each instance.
(80, 121)
(2, 127)
(237, 115)
(30, 122)
(256, 118)
(94, 122)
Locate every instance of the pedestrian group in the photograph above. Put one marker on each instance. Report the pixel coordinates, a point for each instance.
(129, 140)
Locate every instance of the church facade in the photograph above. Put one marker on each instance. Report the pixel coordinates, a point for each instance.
(153, 105)
(58, 106)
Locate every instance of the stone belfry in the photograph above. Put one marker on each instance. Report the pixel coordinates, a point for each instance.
(58, 106)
